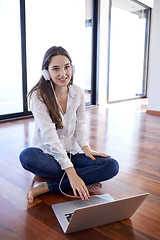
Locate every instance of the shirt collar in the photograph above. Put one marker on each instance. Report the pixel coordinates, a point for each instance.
(71, 92)
(71, 96)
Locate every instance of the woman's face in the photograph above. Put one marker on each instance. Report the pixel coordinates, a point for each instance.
(60, 70)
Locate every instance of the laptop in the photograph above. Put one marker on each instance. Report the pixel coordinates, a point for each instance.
(78, 215)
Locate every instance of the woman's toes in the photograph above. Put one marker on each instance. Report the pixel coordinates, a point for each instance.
(30, 195)
(94, 187)
(37, 189)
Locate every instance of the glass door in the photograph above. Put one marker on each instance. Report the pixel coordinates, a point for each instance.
(129, 34)
(59, 23)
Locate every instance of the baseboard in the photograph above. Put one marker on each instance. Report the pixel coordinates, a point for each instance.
(153, 112)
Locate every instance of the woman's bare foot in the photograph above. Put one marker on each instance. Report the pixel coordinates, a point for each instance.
(37, 189)
(40, 179)
(94, 187)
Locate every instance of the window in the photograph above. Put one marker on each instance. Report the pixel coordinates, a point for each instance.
(10, 58)
(59, 23)
(28, 29)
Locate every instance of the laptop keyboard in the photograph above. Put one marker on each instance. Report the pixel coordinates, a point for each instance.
(68, 216)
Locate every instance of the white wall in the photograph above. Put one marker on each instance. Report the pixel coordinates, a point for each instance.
(154, 60)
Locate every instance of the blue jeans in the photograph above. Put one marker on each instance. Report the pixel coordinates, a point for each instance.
(44, 165)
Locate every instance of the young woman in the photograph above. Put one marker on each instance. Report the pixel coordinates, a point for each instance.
(60, 144)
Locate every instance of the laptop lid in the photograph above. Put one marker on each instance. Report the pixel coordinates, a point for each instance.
(64, 211)
(86, 217)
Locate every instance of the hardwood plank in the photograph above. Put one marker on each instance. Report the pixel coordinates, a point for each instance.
(142, 224)
(15, 195)
(124, 230)
(23, 224)
(8, 233)
(153, 112)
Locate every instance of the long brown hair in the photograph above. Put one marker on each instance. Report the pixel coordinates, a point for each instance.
(44, 89)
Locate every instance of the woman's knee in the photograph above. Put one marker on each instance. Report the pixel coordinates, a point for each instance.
(27, 155)
(114, 166)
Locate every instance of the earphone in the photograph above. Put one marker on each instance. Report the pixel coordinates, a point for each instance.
(46, 74)
(47, 77)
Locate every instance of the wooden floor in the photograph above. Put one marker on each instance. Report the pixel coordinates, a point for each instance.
(124, 131)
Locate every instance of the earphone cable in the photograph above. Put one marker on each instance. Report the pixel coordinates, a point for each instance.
(60, 183)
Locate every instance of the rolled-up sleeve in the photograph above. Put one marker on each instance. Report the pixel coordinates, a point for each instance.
(48, 132)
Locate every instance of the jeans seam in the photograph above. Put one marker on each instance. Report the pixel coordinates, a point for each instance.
(89, 171)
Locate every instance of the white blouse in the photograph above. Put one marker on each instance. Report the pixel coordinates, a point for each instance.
(71, 138)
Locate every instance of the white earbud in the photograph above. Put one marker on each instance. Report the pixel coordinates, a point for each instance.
(73, 69)
(46, 74)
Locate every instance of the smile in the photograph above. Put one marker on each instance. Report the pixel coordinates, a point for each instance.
(63, 79)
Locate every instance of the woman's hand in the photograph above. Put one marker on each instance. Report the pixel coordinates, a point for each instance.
(89, 153)
(77, 184)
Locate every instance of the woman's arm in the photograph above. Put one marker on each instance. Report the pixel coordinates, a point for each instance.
(77, 184)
